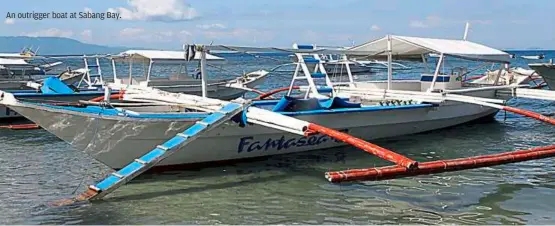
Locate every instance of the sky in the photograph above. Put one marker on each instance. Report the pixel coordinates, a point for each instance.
(167, 24)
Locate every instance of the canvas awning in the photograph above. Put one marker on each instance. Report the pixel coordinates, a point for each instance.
(410, 47)
(160, 57)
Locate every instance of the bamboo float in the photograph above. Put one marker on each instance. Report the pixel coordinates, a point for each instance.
(21, 126)
(391, 172)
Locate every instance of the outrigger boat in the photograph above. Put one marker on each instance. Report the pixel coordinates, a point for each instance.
(152, 127)
(534, 57)
(182, 82)
(88, 82)
(16, 72)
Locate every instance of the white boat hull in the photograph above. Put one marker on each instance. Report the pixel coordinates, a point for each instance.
(225, 90)
(341, 69)
(547, 72)
(118, 143)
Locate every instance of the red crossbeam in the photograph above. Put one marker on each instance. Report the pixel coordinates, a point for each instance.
(376, 150)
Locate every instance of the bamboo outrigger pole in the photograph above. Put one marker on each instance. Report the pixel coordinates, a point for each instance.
(390, 172)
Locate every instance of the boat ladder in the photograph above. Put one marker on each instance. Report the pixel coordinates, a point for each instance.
(312, 68)
(89, 67)
(159, 153)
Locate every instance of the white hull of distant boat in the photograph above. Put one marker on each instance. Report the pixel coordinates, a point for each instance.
(7, 113)
(116, 141)
(15, 73)
(223, 90)
(533, 57)
(335, 67)
(547, 72)
(515, 75)
(220, 89)
(182, 82)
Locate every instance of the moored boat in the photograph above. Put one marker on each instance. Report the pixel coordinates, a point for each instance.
(152, 127)
(546, 71)
(368, 118)
(180, 81)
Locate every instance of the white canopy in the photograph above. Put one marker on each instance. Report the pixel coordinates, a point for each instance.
(163, 57)
(403, 46)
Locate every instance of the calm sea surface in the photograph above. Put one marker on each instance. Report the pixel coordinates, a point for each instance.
(37, 168)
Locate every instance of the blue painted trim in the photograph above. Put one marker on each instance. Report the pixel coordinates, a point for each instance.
(86, 93)
(214, 117)
(305, 46)
(325, 89)
(272, 102)
(198, 127)
(174, 142)
(362, 109)
(194, 129)
(431, 78)
(148, 157)
(113, 112)
(311, 60)
(55, 85)
(340, 110)
(106, 183)
(318, 75)
(264, 102)
(129, 169)
(230, 107)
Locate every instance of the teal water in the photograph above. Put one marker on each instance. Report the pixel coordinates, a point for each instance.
(38, 168)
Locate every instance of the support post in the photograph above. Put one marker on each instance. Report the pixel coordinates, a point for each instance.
(99, 70)
(295, 74)
(425, 62)
(203, 70)
(389, 69)
(466, 31)
(114, 69)
(107, 94)
(350, 74)
(436, 73)
(149, 70)
(501, 68)
(130, 69)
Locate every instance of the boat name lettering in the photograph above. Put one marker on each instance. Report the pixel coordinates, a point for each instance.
(248, 144)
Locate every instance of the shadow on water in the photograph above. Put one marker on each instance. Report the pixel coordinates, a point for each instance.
(503, 193)
(153, 194)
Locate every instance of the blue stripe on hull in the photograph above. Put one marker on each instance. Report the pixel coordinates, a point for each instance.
(431, 78)
(114, 112)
